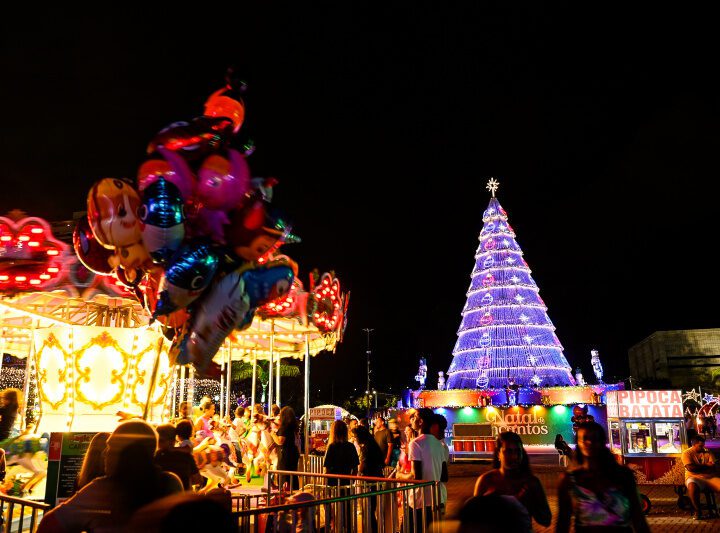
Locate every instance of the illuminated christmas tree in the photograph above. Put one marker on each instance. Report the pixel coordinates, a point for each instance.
(505, 336)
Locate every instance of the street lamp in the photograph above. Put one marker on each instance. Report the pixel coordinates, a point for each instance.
(367, 352)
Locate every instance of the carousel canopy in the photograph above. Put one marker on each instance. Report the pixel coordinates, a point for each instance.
(285, 336)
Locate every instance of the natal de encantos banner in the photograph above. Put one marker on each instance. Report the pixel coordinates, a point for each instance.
(526, 422)
(645, 404)
(535, 425)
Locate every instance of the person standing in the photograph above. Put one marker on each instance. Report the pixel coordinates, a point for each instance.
(10, 400)
(437, 429)
(511, 477)
(396, 440)
(601, 493)
(427, 462)
(341, 459)
(382, 437)
(411, 432)
(287, 450)
(371, 464)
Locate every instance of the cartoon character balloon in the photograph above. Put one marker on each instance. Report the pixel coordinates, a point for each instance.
(112, 214)
(228, 305)
(188, 275)
(227, 101)
(222, 183)
(221, 105)
(256, 231)
(162, 220)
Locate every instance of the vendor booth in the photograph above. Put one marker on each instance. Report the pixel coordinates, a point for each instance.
(476, 417)
(646, 429)
(321, 421)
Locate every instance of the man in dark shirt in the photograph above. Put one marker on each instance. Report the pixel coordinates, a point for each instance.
(173, 460)
(383, 439)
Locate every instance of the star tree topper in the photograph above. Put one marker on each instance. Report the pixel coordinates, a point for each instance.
(492, 186)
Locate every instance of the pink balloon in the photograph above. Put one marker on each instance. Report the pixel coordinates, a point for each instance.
(222, 183)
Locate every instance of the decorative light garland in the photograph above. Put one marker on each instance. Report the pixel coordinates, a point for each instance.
(39, 260)
(326, 306)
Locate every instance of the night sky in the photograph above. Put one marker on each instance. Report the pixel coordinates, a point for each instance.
(383, 126)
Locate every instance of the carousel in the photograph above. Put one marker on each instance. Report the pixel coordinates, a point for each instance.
(95, 355)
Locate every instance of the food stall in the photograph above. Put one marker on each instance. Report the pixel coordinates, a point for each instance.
(646, 429)
(321, 419)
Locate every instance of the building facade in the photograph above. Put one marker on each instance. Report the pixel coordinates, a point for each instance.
(682, 359)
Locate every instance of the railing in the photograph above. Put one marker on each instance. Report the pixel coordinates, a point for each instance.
(21, 515)
(341, 503)
(314, 464)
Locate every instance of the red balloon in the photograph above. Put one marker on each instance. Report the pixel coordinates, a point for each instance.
(224, 104)
(93, 255)
(202, 136)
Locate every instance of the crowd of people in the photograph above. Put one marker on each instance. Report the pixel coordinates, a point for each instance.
(595, 491)
(139, 467)
(169, 468)
(418, 452)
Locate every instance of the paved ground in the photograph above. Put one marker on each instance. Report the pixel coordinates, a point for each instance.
(665, 516)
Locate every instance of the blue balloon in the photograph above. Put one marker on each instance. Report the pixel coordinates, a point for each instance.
(230, 304)
(162, 220)
(264, 285)
(190, 272)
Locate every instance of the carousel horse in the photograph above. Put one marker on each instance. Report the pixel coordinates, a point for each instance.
(23, 451)
(253, 457)
(259, 453)
(211, 460)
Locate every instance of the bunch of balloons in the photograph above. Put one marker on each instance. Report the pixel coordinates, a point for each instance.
(580, 416)
(194, 235)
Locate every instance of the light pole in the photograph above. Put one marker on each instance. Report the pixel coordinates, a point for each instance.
(367, 389)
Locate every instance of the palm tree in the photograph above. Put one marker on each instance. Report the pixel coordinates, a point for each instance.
(241, 370)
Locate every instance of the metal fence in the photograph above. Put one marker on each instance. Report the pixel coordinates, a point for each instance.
(314, 464)
(329, 502)
(17, 514)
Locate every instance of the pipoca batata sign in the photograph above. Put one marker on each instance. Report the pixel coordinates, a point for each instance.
(644, 404)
